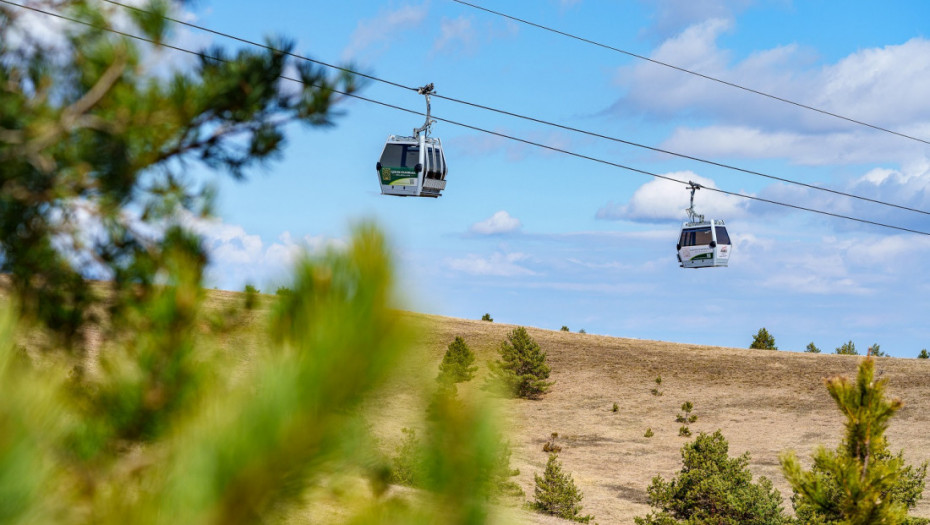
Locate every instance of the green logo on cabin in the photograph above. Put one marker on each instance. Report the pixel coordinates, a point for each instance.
(385, 174)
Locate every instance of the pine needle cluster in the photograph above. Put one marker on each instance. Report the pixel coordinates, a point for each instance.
(860, 482)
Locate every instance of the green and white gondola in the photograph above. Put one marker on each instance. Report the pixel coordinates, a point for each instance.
(704, 244)
(413, 166)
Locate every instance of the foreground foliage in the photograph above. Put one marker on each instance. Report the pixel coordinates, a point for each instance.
(96, 148)
(860, 482)
(174, 432)
(713, 488)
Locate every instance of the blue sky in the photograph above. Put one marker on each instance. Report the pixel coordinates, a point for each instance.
(542, 239)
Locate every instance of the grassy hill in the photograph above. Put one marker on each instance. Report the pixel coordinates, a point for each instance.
(765, 402)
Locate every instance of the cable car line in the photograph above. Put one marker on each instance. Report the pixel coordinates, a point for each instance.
(495, 133)
(529, 118)
(695, 73)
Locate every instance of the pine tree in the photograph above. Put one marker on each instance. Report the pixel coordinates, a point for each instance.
(556, 493)
(923, 354)
(848, 348)
(456, 366)
(812, 348)
(522, 368)
(763, 340)
(90, 133)
(712, 489)
(860, 482)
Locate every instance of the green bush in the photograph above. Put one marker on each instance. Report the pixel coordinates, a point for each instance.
(582, 331)
(684, 431)
(848, 348)
(564, 328)
(655, 390)
(487, 317)
(923, 354)
(456, 366)
(556, 493)
(251, 297)
(713, 488)
(860, 481)
(407, 466)
(615, 408)
(649, 433)
(812, 348)
(522, 369)
(687, 417)
(876, 351)
(763, 340)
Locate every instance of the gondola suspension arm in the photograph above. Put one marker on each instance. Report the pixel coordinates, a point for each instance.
(426, 91)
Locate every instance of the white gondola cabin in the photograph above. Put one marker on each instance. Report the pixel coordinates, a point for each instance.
(703, 244)
(413, 166)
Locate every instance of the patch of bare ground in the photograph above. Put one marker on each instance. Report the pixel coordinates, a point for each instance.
(764, 402)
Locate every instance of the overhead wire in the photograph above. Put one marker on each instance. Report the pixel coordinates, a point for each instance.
(530, 118)
(692, 72)
(490, 132)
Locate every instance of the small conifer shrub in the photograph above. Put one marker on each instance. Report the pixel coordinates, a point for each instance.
(487, 317)
(655, 390)
(848, 348)
(552, 445)
(876, 351)
(616, 408)
(407, 465)
(812, 348)
(923, 354)
(684, 431)
(522, 368)
(456, 366)
(713, 488)
(687, 417)
(582, 331)
(556, 493)
(563, 329)
(251, 297)
(649, 433)
(860, 481)
(763, 340)
(283, 291)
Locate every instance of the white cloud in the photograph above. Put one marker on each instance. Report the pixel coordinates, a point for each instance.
(456, 35)
(885, 86)
(500, 222)
(238, 257)
(661, 200)
(674, 15)
(498, 265)
(377, 33)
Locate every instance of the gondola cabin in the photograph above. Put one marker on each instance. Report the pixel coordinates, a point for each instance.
(412, 167)
(704, 244)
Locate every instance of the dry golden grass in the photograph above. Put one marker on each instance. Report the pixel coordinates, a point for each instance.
(764, 402)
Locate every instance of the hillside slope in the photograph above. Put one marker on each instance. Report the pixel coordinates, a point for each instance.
(764, 402)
